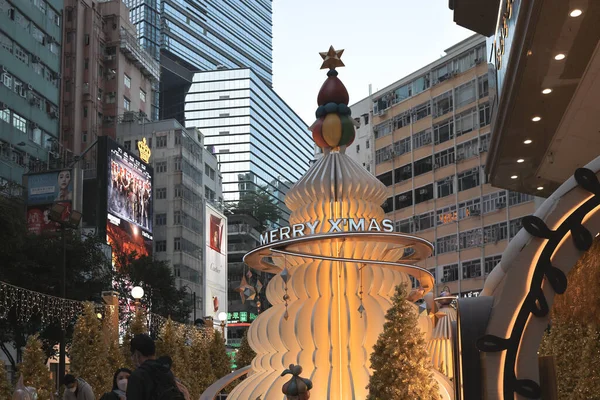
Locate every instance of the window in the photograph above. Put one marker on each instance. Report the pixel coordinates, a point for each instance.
(423, 165)
(127, 81)
(443, 158)
(388, 205)
(465, 122)
(467, 149)
(445, 187)
(209, 194)
(176, 217)
(160, 219)
(465, 94)
(161, 167)
(443, 131)
(484, 115)
(442, 104)
(5, 115)
(469, 208)
(84, 136)
(126, 103)
(446, 215)
(208, 171)
(161, 193)
(471, 268)
(425, 221)
(160, 245)
(446, 244)
(450, 273)
(7, 80)
(484, 143)
(367, 144)
(515, 226)
(493, 202)
(402, 146)
(386, 178)
(21, 54)
(441, 73)
(149, 142)
(432, 272)
(127, 145)
(468, 179)
(403, 173)
(357, 148)
(404, 200)
(484, 87)
(422, 138)
(491, 262)
(515, 198)
(406, 226)
(422, 111)
(424, 193)
(178, 135)
(382, 129)
(177, 244)
(177, 164)
(161, 141)
(402, 120)
(384, 154)
(20, 123)
(142, 96)
(495, 233)
(470, 239)
(86, 39)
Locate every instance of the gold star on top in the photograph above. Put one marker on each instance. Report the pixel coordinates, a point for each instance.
(331, 58)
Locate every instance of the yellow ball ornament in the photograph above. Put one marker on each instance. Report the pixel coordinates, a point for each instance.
(332, 129)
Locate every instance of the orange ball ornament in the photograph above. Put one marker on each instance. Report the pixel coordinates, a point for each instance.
(317, 134)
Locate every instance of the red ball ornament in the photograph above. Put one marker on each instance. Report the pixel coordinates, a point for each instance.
(333, 91)
(317, 134)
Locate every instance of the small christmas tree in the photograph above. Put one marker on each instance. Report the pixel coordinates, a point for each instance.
(172, 344)
(199, 364)
(34, 370)
(5, 386)
(137, 325)
(245, 354)
(219, 360)
(401, 366)
(88, 351)
(114, 354)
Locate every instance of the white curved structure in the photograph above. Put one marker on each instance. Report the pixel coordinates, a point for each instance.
(326, 333)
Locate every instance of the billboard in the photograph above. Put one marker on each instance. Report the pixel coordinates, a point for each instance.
(215, 262)
(129, 201)
(44, 190)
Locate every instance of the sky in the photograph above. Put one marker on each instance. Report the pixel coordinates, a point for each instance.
(383, 41)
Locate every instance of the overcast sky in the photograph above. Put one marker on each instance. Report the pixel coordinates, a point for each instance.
(383, 41)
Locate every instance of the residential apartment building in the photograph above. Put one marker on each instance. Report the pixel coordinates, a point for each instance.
(30, 72)
(186, 176)
(258, 139)
(107, 75)
(362, 149)
(431, 134)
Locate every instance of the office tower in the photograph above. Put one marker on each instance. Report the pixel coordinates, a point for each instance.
(431, 134)
(259, 141)
(108, 76)
(30, 68)
(186, 178)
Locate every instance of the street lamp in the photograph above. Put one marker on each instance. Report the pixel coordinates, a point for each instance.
(72, 221)
(137, 292)
(223, 318)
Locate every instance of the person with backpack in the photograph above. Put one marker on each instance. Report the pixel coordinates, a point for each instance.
(152, 378)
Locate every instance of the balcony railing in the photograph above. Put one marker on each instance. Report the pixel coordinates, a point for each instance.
(135, 52)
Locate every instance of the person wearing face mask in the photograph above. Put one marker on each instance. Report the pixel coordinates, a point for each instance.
(77, 389)
(119, 388)
(152, 378)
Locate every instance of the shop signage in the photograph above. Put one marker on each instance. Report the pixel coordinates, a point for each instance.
(502, 32)
(336, 225)
(144, 150)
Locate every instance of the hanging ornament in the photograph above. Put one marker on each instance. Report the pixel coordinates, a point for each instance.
(241, 289)
(285, 276)
(361, 308)
(249, 274)
(259, 286)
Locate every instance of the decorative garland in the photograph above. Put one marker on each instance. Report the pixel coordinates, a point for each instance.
(535, 302)
(51, 309)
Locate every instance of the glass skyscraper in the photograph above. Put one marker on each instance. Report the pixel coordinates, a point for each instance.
(257, 138)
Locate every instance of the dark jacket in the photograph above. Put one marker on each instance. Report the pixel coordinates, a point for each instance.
(140, 385)
(110, 396)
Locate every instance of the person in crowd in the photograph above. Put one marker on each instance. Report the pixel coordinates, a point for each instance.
(119, 387)
(77, 389)
(152, 378)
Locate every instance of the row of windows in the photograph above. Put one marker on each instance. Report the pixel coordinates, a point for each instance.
(438, 160)
(474, 207)
(41, 5)
(29, 128)
(179, 244)
(444, 72)
(478, 237)
(28, 59)
(470, 269)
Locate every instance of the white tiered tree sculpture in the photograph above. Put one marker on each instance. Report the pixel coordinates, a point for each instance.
(328, 314)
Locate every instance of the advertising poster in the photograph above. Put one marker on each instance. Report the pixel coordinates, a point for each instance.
(129, 202)
(215, 268)
(38, 221)
(50, 187)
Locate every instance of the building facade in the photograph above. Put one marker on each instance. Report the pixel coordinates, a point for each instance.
(30, 76)
(431, 133)
(261, 144)
(362, 149)
(107, 76)
(186, 176)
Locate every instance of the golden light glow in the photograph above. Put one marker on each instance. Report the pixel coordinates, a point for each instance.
(559, 57)
(520, 160)
(528, 141)
(547, 91)
(514, 176)
(536, 118)
(540, 188)
(575, 13)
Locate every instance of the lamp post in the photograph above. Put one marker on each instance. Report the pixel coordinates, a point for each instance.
(71, 222)
(193, 294)
(137, 292)
(223, 318)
